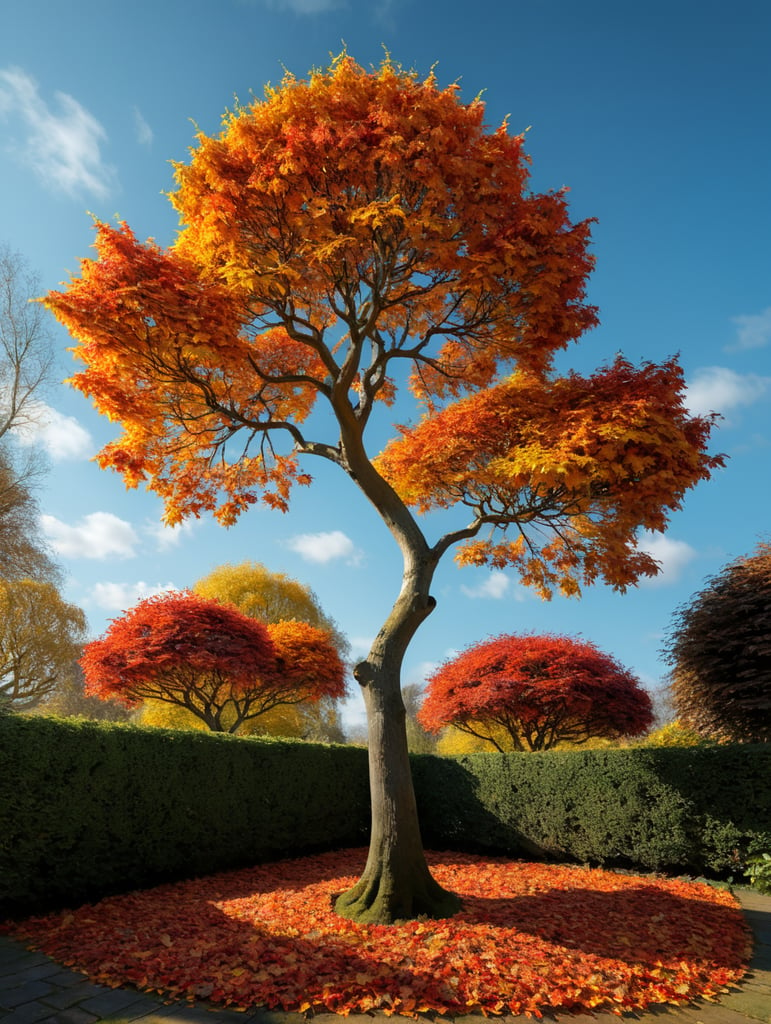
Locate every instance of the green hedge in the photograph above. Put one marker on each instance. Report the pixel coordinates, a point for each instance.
(89, 808)
(698, 809)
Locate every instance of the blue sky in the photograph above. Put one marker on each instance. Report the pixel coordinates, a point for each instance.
(655, 115)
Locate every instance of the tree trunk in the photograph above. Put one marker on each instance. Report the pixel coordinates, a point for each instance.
(396, 883)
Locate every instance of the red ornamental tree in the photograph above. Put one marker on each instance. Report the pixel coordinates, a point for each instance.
(541, 690)
(346, 229)
(211, 659)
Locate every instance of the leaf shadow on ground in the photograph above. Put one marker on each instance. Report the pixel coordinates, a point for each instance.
(267, 936)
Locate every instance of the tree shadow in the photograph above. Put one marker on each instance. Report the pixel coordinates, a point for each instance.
(638, 924)
(181, 940)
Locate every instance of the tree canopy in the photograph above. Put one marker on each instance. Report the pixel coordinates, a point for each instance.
(268, 597)
(719, 647)
(41, 638)
(26, 353)
(210, 659)
(350, 231)
(538, 691)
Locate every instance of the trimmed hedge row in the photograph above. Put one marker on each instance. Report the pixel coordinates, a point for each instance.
(89, 808)
(699, 810)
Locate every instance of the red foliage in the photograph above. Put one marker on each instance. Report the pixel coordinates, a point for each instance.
(530, 939)
(542, 690)
(220, 664)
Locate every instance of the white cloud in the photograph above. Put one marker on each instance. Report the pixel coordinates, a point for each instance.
(98, 535)
(143, 130)
(495, 586)
(61, 435)
(168, 536)
(718, 389)
(120, 596)
(672, 555)
(62, 146)
(419, 673)
(753, 331)
(325, 547)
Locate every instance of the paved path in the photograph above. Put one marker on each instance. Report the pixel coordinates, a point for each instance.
(36, 990)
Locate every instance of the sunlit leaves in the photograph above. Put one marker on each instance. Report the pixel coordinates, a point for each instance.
(530, 939)
(574, 466)
(343, 223)
(538, 691)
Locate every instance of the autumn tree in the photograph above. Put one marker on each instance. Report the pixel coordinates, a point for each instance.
(538, 692)
(268, 596)
(41, 638)
(719, 647)
(349, 232)
(273, 597)
(220, 665)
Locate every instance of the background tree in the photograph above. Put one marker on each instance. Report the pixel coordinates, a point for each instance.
(538, 691)
(41, 637)
(273, 597)
(26, 364)
(221, 666)
(719, 647)
(350, 230)
(26, 352)
(269, 597)
(68, 700)
(419, 740)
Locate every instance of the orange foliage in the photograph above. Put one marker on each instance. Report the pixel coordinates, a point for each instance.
(344, 225)
(353, 207)
(531, 938)
(578, 464)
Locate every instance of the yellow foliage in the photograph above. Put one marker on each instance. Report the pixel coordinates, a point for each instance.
(673, 734)
(267, 596)
(283, 720)
(41, 638)
(456, 741)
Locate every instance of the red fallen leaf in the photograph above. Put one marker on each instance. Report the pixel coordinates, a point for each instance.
(530, 938)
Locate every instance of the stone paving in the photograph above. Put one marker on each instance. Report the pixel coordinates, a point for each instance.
(36, 990)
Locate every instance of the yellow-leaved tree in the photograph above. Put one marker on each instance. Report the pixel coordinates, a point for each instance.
(273, 597)
(41, 639)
